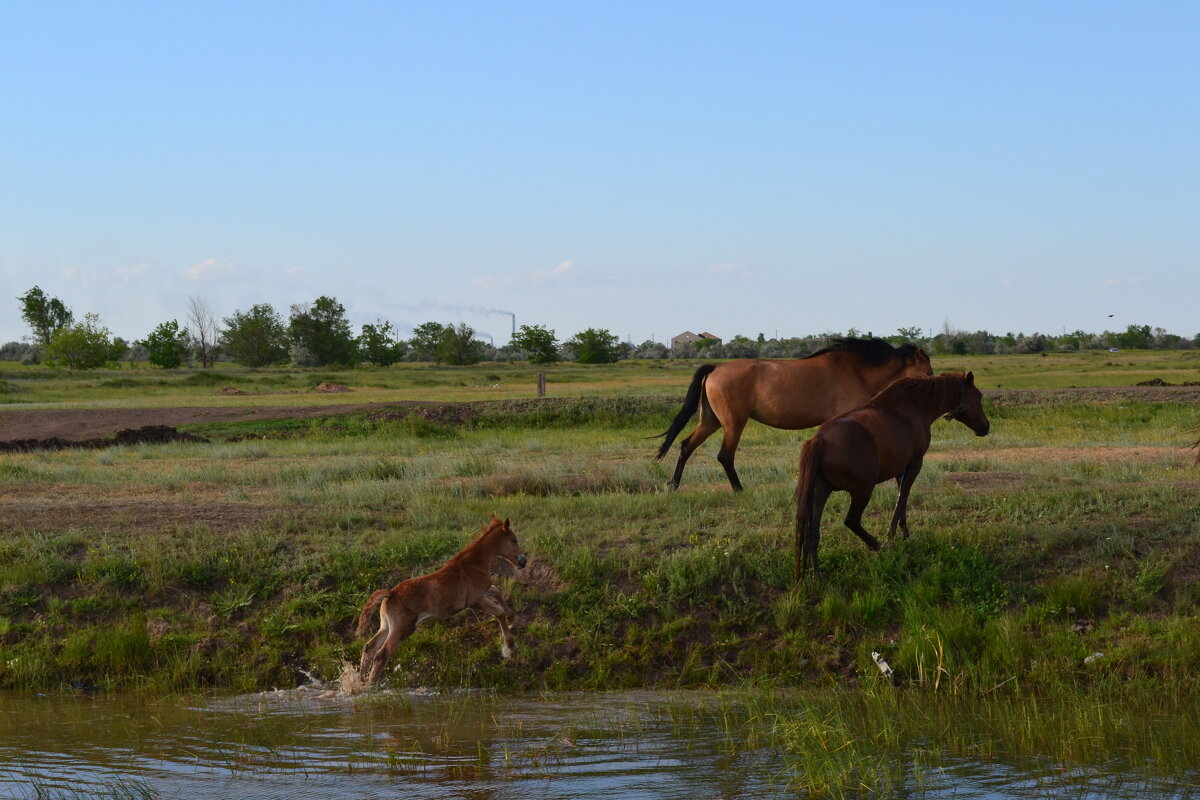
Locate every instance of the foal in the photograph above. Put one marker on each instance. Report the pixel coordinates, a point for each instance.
(884, 438)
(464, 582)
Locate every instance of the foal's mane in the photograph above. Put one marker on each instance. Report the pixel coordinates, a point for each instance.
(874, 351)
(494, 524)
(945, 388)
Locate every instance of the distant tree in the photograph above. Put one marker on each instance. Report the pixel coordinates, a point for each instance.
(83, 345)
(537, 342)
(380, 345)
(458, 345)
(166, 345)
(912, 335)
(650, 349)
(740, 347)
(45, 315)
(203, 331)
(1135, 337)
(323, 330)
(256, 338)
(595, 346)
(423, 346)
(118, 349)
(17, 351)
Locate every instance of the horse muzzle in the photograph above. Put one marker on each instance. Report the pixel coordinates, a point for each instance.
(521, 561)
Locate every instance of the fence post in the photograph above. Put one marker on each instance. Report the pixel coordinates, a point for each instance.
(541, 384)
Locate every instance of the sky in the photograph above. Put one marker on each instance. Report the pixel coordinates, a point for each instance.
(644, 167)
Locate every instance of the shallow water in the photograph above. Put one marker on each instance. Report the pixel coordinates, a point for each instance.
(317, 743)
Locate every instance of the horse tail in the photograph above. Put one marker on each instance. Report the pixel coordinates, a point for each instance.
(806, 483)
(373, 602)
(690, 403)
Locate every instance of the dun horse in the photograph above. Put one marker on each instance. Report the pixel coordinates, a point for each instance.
(464, 582)
(790, 393)
(885, 438)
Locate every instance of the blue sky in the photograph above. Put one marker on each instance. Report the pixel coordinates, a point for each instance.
(784, 168)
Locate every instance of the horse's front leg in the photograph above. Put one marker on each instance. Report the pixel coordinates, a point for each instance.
(494, 603)
(900, 515)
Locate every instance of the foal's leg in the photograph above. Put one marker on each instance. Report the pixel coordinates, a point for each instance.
(900, 515)
(401, 624)
(375, 642)
(821, 494)
(493, 602)
(859, 498)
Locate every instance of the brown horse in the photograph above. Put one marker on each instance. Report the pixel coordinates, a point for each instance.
(882, 439)
(789, 393)
(464, 582)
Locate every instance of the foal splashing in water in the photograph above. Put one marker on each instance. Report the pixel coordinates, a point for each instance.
(884, 438)
(464, 582)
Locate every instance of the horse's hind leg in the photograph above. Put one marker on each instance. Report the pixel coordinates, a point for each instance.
(494, 603)
(729, 443)
(401, 624)
(900, 515)
(858, 503)
(806, 554)
(707, 426)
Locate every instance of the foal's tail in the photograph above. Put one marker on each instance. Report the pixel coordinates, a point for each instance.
(690, 403)
(806, 484)
(373, 602)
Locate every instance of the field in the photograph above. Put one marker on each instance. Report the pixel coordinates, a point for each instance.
(239, 560)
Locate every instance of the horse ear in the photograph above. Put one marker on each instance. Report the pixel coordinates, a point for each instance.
(970, 379)
(506, 522)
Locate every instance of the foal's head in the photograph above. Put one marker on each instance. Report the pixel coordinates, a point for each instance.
(969, 410)
(506, 541)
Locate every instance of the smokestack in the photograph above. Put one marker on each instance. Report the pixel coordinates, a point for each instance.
(514, 316)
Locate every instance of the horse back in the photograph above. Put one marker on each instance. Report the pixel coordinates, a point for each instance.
(784, 393)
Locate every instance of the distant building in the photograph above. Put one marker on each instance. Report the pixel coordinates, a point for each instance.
(687, 337)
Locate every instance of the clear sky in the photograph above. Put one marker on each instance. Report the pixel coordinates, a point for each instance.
(645, 167)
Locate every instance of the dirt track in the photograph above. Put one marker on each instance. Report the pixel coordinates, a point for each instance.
(78, 425)
(83, 424)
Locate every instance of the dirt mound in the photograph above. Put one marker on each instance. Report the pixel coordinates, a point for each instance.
(233, 390)
(331, 388)
(149, 434)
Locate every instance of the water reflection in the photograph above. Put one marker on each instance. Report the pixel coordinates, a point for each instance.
(317, 743)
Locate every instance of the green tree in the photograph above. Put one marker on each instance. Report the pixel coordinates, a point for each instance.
(83, 345)
(256, 338)
(46, 315)
(458, 345)
(595, 346)
(166, 345)
(380, 345)
(423, 346)
(1135, 337)
(537, 342)
(323, 330)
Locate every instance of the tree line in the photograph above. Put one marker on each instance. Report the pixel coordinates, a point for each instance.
(319, 334)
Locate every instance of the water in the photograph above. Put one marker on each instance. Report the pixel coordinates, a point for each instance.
(317, 743)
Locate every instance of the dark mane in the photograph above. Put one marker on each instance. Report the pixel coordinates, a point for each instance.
(939, 389)
(874, 351)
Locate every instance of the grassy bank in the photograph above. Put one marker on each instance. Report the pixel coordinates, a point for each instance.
(1071, 530)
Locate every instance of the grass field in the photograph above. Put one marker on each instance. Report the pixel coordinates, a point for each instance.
(1071, 529)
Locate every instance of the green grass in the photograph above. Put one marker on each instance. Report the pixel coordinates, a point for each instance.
(235, 563)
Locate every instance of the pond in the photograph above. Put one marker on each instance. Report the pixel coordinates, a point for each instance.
(320, 743)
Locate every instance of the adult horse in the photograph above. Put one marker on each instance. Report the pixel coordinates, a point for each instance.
(789, 393)
(884, 438)
(464, 582)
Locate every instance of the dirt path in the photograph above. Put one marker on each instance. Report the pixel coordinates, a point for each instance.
(84, 424)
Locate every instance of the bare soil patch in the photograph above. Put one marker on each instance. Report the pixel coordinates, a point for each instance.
(64, 506)
(81, 424)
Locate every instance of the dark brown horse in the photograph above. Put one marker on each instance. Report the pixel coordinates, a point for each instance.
(884, 438)
(789, 393)
(464, 582)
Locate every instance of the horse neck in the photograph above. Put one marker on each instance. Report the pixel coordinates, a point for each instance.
(941, 393)
(481, 551)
